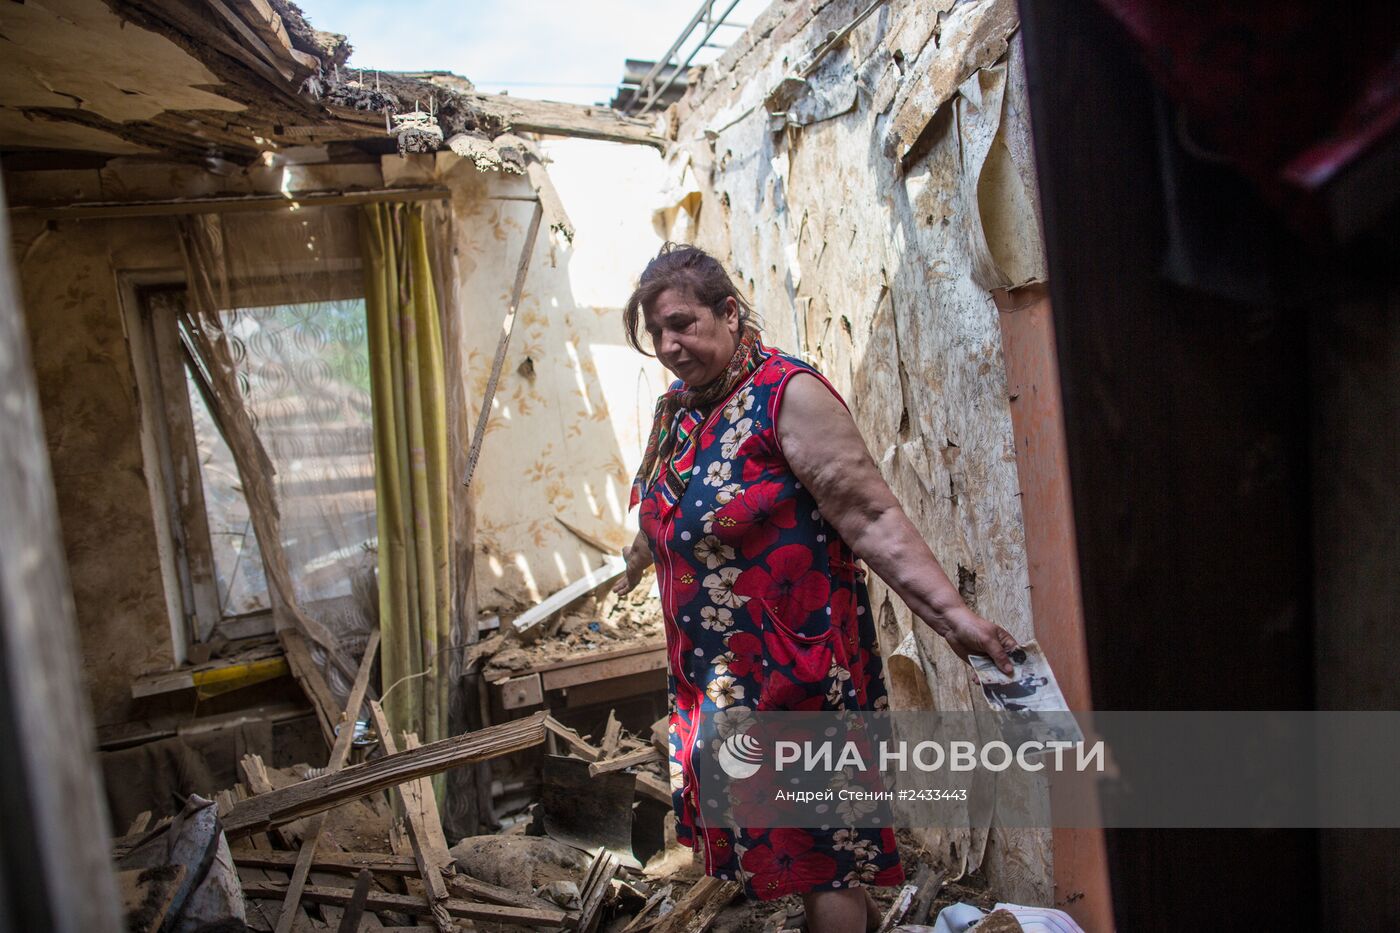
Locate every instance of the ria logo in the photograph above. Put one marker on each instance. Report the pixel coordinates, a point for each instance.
(740, 756)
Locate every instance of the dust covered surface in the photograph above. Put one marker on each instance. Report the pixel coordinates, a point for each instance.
(591, 626)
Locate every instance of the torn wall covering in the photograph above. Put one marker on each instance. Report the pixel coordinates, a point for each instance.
(869, 209)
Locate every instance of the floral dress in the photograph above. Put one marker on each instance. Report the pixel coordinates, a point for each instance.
(765, 608)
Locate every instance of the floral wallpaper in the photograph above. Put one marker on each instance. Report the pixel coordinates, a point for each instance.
(574, 402)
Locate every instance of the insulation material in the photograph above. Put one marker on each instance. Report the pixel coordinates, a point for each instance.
(854, 237)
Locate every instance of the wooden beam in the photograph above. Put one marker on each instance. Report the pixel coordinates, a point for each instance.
(320, 794)
(340, 754)
(645, 647)
(385, 863)
(229, 204)
(577, 744)
(260, 15)
(424, 826)
(553, 118)
(255, 776)
(345, 863)
(313, 684)
(252, 40)
(418, 906)
(612, 735)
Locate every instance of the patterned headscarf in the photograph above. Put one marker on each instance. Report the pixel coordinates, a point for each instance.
(670, 451)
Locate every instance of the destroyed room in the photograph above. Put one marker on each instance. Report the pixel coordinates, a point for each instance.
(842, 466)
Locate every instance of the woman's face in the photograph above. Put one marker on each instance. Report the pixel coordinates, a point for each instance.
(689, 339)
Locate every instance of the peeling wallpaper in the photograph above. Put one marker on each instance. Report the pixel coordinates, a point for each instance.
(862, 232)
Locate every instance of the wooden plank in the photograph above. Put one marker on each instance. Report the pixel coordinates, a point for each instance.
(186, 493)
(631, 759)
(254, 774)
(612, 689)
(647, 784)
(550, 203)
(483, 418)
(268, 23)
(64, 881)
(417, 906)
(320, 794)
(230, 204)
(350, 922)
(313, 684)
(577, 744)
(560, 119)
(594, 890)
(528, 623)
(252, 40)
(146, 895)
(340, 753)
(697, 910)
(384, 863)
(346, 863)
(424, 826)
(898, 908)
(605, 667)
(612, 735)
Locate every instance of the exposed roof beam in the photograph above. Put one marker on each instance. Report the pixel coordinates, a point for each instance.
(237, 204)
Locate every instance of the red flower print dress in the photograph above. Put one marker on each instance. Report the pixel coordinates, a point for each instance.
(764, 608)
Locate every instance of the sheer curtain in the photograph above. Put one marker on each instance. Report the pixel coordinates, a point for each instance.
(275, 326)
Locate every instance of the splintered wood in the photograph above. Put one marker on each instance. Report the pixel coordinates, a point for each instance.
(424, 826)
(340, 753)
(317, 795)
(647, 784)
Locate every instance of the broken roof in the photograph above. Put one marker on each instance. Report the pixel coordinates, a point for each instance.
(223, 80)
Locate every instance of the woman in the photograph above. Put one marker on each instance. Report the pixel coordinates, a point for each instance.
(756, 493)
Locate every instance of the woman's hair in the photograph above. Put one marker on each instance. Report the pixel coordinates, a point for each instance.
(686, 267)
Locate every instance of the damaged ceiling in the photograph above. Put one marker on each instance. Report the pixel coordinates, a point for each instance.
(220, 81)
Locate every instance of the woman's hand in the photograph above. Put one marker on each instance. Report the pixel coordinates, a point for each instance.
(968, 633)
(638, 558)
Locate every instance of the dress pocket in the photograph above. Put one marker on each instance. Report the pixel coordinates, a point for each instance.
(797, 667)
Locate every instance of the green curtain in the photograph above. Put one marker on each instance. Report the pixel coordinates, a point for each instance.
(410, 468)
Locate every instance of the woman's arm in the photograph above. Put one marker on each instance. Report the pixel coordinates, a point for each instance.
(828, 456)
(638, 557)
